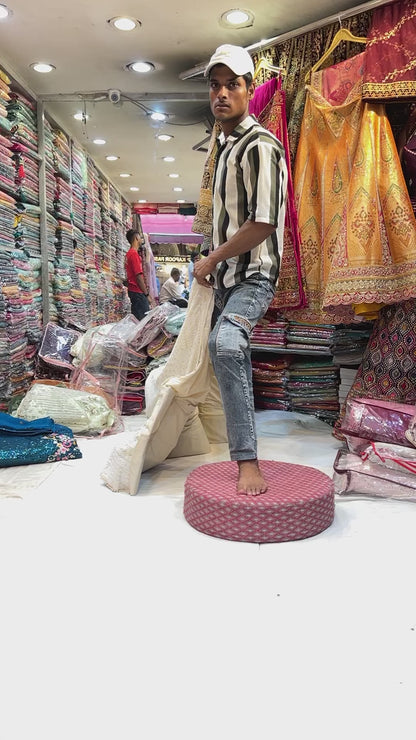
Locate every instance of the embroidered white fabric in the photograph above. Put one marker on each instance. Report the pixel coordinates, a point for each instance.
(172, 397)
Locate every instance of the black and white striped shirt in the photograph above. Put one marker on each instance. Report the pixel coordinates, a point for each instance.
(249, 183)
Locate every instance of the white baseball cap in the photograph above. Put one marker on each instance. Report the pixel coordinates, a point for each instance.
(234, 57)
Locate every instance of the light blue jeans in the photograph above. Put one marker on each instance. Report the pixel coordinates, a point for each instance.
(238, 310)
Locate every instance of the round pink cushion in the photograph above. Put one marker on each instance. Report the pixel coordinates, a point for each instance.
(299, 503)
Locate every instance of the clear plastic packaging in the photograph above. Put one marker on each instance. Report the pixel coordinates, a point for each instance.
(382, 421)
(352, 475)
(83, 412)
(55, 348)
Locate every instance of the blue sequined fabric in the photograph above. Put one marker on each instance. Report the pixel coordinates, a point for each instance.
(27, 442)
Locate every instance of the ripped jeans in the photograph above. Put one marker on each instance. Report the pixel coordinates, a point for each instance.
(237, 311)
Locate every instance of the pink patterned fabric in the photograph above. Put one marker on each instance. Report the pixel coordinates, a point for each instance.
(262, 96)
(298, 504)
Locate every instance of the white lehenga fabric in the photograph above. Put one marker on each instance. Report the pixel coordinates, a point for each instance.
(175, 426)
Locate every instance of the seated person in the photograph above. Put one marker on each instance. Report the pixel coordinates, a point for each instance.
(171, 290)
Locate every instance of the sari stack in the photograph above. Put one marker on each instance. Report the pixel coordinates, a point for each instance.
(270, 383)
(26, 175)
(21, 113)
(29, 282)
(78, 182)
(309, 337)
(49, 166)
(313, 389)
(20, 374)
(7, 201)
(270, 332)
(88, 198)
(27, 228)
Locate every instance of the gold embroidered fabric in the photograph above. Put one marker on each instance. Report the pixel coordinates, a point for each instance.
(390, 65)
(202, 223)
(357, 226)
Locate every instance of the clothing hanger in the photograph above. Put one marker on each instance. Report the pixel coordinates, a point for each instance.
(343, 34)
(264, 64)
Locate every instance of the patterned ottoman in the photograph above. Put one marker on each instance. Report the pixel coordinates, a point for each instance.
(299, 503)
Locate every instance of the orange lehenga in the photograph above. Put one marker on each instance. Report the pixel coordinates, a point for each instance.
(357, 226)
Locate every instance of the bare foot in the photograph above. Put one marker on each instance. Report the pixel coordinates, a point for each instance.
(250, 479)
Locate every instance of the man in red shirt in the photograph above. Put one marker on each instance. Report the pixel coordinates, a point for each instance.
(136, 286)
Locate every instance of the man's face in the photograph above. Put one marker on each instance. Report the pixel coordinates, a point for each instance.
(229, 97)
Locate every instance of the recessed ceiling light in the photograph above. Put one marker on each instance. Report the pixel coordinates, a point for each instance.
(142, 200)
(237, 18)
(134, 188)
(124, 23)
(168, 159)
(164, 137)
(156, 116)
(42, 67)
(178, 190)
(81, 116)
(142, 67)
(173, 174)
(4, 12)
(111, 157)
(125, 174)
(180, 200)
(100, 142)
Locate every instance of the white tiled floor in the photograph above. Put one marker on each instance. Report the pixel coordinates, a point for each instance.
(118, 621)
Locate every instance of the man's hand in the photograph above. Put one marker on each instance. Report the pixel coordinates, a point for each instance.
(203, 268)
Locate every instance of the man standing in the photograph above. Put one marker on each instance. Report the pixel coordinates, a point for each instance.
(249, 193)
(136, 286)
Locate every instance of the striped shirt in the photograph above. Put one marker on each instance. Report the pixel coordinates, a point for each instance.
(249, 183)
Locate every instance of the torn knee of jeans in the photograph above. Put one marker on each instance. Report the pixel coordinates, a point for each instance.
(234, 318)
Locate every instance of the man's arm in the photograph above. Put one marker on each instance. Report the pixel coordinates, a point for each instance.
(248, 236)
(141, 283)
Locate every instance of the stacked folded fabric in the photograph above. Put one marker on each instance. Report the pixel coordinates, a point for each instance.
(313, 389)
(270, 332)
(269, 383)
(310, 337)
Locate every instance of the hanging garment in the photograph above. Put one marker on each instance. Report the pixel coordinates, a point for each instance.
(202, 223)
(358, 230)
(390, 58)
(289, 291)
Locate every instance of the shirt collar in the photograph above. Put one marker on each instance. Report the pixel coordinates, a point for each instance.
(239, 130)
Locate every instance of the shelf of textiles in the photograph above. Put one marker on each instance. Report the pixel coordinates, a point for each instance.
(314, 383)
(309, 386)
(17, 324)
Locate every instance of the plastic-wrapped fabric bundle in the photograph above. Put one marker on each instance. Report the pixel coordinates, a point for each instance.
(174, 323)
(352, 475)
(82, 412)
(382, 421)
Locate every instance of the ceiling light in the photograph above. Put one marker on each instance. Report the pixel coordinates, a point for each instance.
(125, 174)
(156, 116)
(142, 67)
(124, 23)
(181, 200)
(178, 190)
(111, 157)
(164, 137)
(134, 189)
(4, 12)
(237, 18)
(81, 116)
(42, 67)
(168, 159)
(100, 142)
(173, 174)
(142, 200)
